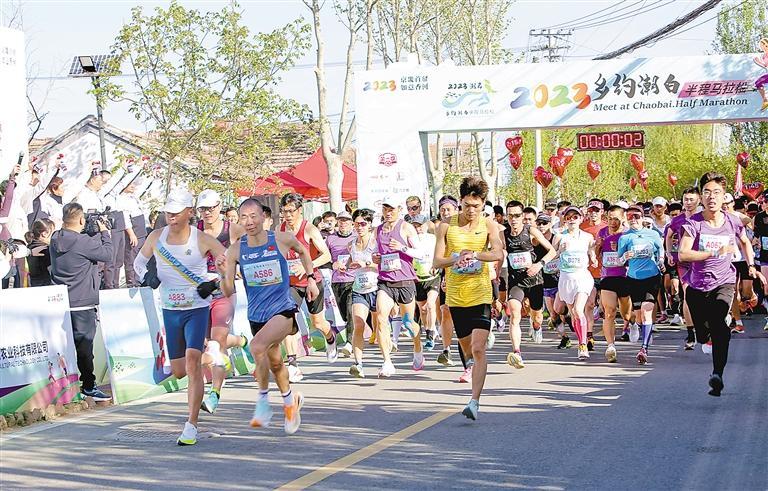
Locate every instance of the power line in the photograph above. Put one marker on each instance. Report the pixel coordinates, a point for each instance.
(608, 15)
(704, 21)
(584, 16)
(632, 13)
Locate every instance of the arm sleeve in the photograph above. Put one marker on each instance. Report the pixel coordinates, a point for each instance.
(140, 265)
(414, 250)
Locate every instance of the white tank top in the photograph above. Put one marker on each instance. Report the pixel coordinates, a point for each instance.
(575, 256)
(180, 269)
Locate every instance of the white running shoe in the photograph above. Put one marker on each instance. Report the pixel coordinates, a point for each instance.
(356, 371)
(188, 435)
(501, 324)
(466, 377)
(583, 353)
(706, 348)
(294, 374)
(538, 336)
(387, 370)
(346, 350)
(676, 320)
(634, 332)
(765, 327)
(515, 359)
(610, 354)
(418, 361)
(530, 333)
(490, 341)
(331, 352)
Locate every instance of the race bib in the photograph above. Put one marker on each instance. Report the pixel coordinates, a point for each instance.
(552, 267)
(294, 266)
(572, 261)
(343, 259)
(263, 273)
(423, 267)
(764, 243)
(520, 260)
(712, 243)
(472, 268)
(178, 298)
(643, 251)
(611, 260)
(390, 262)
(365, 282)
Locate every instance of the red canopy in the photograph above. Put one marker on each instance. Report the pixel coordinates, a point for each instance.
(309, 178)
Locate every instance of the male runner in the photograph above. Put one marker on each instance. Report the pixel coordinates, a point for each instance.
(671, 279)
(428, 280)
(449, 206)
(462, 249)
(550, 274)
(271, 307)
(760, 228)
(414, 207)
(659, 222)
(181, 253)
(338, 243)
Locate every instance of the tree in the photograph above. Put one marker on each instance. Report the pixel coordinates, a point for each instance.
(207, 86)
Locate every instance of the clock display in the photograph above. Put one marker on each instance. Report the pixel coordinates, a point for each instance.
(610, 140)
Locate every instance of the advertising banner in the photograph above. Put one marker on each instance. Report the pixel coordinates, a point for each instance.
(13, 102)
(38, 365)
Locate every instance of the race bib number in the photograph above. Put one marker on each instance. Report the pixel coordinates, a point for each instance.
(263, 274)
(573, 261)
(178, 298)
(520, 260)
(552, 267)
(390, 262)
(611, 260)
(643, 251)
(294, 266)
(764, 243)
(712, 243)
(473, 267)
(365, 282)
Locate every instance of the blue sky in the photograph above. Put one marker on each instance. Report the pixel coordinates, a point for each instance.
(58, 30)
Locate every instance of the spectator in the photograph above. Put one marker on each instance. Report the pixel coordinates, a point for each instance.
(39, 260)
(230, 214)
(51, 201)
(135, 232)
(268, 220)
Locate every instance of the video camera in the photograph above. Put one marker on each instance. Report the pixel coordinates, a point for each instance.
(93, 218)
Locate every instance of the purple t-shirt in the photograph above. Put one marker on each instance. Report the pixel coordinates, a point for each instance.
(717, 270)
(339, 247)
(610, 258)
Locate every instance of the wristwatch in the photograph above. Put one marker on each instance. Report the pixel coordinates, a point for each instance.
(312, 275)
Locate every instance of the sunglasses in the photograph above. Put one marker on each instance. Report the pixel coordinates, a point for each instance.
(414, 208)
(288, 210)
(514, 215)
(571, 218)
(206, 209)
(542, 223)
(361, 223)
(634, 216)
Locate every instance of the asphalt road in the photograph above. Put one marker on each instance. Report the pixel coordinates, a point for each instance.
(557, 424)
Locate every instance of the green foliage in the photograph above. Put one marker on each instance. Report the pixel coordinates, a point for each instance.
(206, 85)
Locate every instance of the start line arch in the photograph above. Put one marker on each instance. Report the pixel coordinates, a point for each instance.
(397, 108)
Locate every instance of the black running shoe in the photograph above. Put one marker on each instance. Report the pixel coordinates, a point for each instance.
(716, 382)
(590, 344)
(624, 337)
(565, 343)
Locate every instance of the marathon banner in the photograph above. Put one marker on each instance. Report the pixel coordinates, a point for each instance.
(13, 99)
(38, 365)
(396, 107)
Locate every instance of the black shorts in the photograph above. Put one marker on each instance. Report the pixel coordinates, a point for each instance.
(534, 294)
(502, 283)
(317, 305)
(643, 291)
(742, 271)
(288, 314)
(616, 284)
(467, 319)
(597, 282)
(670, 271)
(424, 287)
(402, 292)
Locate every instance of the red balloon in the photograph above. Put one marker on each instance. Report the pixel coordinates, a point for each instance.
(558, 165)
(514, 143)
(672, 179)
(543, 176)
(752, 189)
(743, 159)
(594, 169)
(60, 156)
(632, 182)
(645, 185)
(515, 160)
(638, 162)
(566, 154)
(643, 175)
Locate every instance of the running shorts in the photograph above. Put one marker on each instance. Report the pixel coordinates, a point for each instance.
(742, 271)
(534, 294)
(222, 311)
(643, 291)
(550, 292)
(185, 329)
(424, 287)
(467, 319)
(503, 282)
(402, 292)
(367, 299)
(571, 284)
(317, 305)
(670, 271)
(596, 282)
(288, 314)
(616, 284)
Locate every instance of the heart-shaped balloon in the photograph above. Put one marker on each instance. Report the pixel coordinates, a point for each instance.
(645, 185)
(633, 182)
(543, 176)
(752, 189)
(558, 165)
(60, 156)
(515, 160)
(566, 154)
(642, 175)
(514, 143)
(743, 159)
(638, 162)
(594, 169)
(672, 179)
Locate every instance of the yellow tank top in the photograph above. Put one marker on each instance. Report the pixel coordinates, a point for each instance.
(471, 286)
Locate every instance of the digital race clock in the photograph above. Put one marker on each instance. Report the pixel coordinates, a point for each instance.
(610, 140)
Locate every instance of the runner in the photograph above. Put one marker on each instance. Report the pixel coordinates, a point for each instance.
(461, 249)
(550, 275)
(643, 252)
(414, 208)
(671, 279)
(222, 308)
(397, 245)
(593, 223)
(710, 238)
(449, 206)
(760, 228)
(576, 251)
(365, 284)
(614, 294)
(659, 220)
(180, 252)
(525, 279)
(338, 244)
(691, 199)
(271, 308)
(428, 284)
(309, 236)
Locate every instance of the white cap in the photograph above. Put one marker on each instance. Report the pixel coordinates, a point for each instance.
(208, 198)
(488, 210)
(728, 198)
(622, 204)
(391, 200)
(178, 200)
(658, 200)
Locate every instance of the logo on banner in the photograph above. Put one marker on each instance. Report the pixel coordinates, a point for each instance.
(387, 159)
(468, 98)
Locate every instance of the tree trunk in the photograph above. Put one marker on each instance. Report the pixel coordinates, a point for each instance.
(437, 173)
(488, 176)
(369, 34)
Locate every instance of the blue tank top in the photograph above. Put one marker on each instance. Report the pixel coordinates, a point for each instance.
(265, 276)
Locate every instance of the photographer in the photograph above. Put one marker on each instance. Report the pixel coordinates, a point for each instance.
(74, 258)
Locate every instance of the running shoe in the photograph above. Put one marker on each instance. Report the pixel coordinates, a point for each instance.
(728, 320)
(346, 350)
(716, 383)
(663, 318)
(565, 343)
(246, 349)
(501, 324)
(610, 354)
(624, 337)
(706, 348)
(470, 410)
(97, 394)
(418, 361)
(262, 414)
(642, 356)
(445, 358)
(356, 371)
(538, 336)
(331, 352)
(530, 332)
(596, 313)
(395, 349)
(490, 341)
(188, 435)
(676, 320)
(294, 374)
(210, 403)
(634, 333)
(372, 339)
(590, 343)
(515, 359)
(765, 327)
(583, 353)
(387, 370)
(466, 377)
(690, 343)
(738, 328)
(293, 414)
(429, 344)
(551, 324)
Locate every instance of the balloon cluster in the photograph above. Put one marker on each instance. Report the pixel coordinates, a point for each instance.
(638, 162)
(515, 146)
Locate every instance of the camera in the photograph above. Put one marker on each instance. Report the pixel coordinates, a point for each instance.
(93, 218)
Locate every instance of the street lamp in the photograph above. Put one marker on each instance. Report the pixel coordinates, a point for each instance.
(90, 66)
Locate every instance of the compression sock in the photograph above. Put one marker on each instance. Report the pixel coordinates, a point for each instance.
(647, 331)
